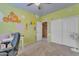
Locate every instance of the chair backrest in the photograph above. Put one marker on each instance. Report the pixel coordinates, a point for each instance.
(15, 41)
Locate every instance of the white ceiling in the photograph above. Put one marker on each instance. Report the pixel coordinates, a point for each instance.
(46, 8)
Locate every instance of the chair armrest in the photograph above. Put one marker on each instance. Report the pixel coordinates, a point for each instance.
(8, 51)
(5, 50)
(6, 43)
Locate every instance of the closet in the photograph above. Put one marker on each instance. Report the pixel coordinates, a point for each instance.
(62, 31)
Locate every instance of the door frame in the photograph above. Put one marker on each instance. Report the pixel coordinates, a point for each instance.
(41, 30)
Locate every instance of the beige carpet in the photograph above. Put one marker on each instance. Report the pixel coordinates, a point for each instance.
(44, 48)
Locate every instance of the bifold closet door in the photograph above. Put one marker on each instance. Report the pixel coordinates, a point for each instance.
(56, 31)
(70, 26)
(62, 29)
(39, 31)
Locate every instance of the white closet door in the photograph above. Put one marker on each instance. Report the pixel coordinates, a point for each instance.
(62, 29)
(69, 26)
(39, 31)
(56, 31)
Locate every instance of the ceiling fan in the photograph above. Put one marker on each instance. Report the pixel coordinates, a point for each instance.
(39, 5)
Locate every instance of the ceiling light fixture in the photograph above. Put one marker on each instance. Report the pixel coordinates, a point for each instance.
(37, 4)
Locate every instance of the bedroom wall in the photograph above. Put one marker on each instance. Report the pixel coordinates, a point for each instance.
(24, 27)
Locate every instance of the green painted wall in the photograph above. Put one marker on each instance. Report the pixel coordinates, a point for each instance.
(5, 9)
(66, 12)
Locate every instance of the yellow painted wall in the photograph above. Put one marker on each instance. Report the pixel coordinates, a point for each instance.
(65, 12)
(29, 33)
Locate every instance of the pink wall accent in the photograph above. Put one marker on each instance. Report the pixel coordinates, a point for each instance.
(20, 27)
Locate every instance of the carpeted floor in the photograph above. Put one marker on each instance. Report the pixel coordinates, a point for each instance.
(44, 48)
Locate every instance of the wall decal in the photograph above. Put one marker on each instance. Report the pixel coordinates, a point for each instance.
(20, 27)
(5, 19)
(33, 22)
(12, 17)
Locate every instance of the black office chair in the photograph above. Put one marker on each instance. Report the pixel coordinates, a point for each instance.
(11, 51)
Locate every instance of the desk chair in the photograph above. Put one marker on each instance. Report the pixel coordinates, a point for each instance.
(11, 51)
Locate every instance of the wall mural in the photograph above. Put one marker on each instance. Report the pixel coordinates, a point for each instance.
(12, 17)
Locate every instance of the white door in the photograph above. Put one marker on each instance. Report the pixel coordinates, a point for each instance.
(70, 26)
(56, 31)
(61, 30)
(39, 31)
